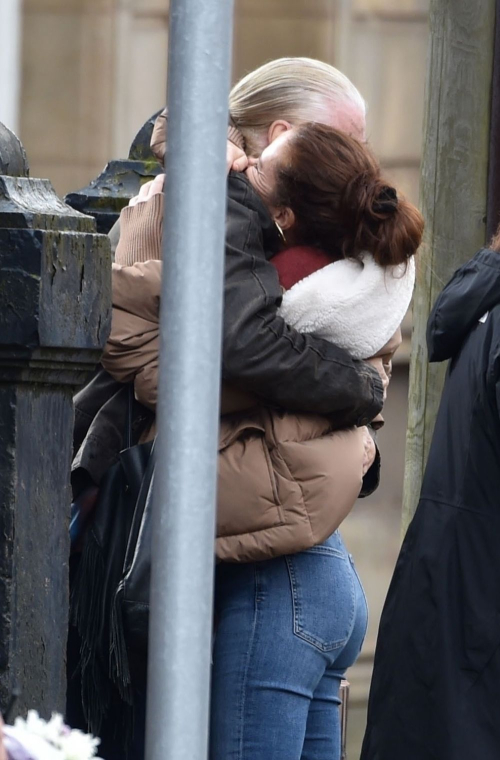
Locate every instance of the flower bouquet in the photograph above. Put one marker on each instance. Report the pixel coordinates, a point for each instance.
(37, 739)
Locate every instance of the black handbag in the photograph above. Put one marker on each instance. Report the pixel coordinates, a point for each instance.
(130, 613)
(104, 664)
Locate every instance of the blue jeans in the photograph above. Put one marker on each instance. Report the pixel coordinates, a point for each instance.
(287, 630)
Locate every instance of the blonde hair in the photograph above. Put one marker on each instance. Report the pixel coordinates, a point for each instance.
(294, 89)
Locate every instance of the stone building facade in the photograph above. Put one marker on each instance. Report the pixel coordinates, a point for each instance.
(93, 70)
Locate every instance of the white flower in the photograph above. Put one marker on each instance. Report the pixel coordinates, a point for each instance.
(59, 741)
(78, 746)
(33, 724)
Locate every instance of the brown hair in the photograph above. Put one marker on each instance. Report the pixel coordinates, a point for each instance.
(341, 203)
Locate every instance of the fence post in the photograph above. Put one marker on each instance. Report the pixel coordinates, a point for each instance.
(453, 195)
(54, 319)
(188, 405)
(119, 181)
(493, 215)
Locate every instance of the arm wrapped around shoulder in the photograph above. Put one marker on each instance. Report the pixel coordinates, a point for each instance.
(141, 230)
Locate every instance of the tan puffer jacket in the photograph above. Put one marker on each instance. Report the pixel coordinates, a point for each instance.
(286, 481)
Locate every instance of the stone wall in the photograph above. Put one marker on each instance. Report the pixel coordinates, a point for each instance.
(93, 72)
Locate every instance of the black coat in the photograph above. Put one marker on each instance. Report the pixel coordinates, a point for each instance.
(436, 684)
(260, 352)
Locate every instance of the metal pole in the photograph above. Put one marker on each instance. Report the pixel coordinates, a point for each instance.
(10, 62)
(188, 403)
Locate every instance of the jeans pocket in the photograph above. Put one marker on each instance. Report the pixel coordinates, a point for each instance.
(324, 597)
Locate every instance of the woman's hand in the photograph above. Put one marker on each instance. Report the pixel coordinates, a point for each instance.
(236, 158)
(370, 451)
(148, 190)
(381, 369)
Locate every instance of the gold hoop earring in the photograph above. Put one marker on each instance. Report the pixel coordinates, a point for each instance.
(281, 233)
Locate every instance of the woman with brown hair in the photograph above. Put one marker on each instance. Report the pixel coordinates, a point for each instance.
(289, 627)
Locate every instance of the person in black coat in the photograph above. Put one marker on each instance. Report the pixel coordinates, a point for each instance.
(435, 692)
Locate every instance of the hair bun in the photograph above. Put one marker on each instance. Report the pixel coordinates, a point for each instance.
(386, 201)
(376, 220)
(367, 200)
(341, 203)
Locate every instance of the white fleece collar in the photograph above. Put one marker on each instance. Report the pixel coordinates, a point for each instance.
(357, 305)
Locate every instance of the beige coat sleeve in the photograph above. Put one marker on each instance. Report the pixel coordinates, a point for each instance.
(141, 229)
(131, 353)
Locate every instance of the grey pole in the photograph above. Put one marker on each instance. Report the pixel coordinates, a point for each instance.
(188, 399)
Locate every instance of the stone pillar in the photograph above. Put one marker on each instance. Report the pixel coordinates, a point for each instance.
(55, 294)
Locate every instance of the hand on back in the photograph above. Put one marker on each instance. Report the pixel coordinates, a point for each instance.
(370, 451)
(381, 368)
